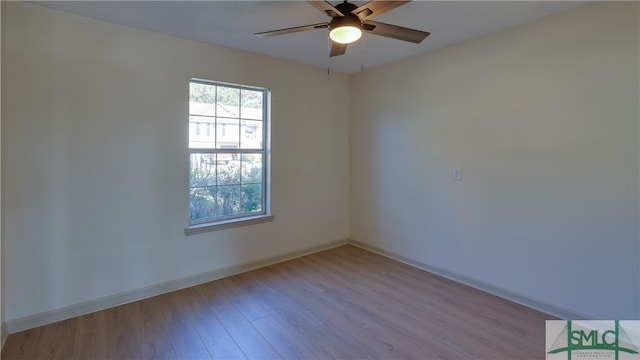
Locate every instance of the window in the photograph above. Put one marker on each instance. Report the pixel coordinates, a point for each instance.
(229, 160)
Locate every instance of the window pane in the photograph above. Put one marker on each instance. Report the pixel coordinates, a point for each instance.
(251, 134)
(228, 199)
(202, 93)
(251, 104)
(228, 169)
(203, 170)
(251, 168)
(202, 133)
(252, 198)
(202, 203)
(228, 102)
(228, 133)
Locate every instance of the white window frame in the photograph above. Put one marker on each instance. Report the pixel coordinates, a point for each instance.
(236, 220)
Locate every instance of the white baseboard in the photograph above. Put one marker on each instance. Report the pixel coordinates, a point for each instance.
(83, 308)
(527, 301)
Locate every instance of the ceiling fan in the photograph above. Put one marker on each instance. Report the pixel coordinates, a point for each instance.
(348, 21)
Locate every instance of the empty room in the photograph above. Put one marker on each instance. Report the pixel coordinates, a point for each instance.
(320, 180)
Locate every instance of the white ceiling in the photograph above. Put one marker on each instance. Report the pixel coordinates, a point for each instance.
(233, 23)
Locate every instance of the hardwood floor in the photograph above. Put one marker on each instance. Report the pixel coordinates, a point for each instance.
(343, 303)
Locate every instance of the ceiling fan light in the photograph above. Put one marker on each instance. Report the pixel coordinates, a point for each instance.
(345, 29)
(345, 34)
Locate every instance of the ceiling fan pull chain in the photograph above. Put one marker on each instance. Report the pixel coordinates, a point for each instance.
(329, 58)
(363, 54)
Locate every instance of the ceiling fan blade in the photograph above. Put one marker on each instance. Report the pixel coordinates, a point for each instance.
(326, 8)
(292, 30)
(394, 31)
(375, 8)
(337, 49)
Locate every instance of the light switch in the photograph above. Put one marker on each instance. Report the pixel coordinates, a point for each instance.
(456, 173)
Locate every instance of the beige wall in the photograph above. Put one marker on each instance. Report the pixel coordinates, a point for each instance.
(96, 163)
(543, 121)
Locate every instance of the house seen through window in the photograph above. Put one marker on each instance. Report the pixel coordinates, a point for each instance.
(228, 151)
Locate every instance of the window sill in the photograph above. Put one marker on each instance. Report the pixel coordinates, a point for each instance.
(221, 225)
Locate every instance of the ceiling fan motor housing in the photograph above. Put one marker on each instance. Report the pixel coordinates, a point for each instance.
(347, 20)
(346, 8)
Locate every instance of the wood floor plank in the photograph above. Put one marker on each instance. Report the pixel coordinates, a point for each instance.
(343, 303)
(346, 335)
(168, 355)
(286, 343)
(294, 315)
(58, 340)
(243, 299)
(250, 341)
(23, 345)
(392, 317)
(92, 335)
(470, 312)
(122, 341)
(211, 331)
(85, 345)
(156, 335)
(184, 338)
(364, 323)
